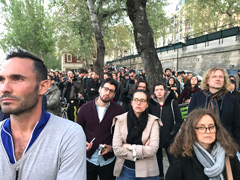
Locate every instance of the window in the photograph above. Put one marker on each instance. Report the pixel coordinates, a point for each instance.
(69, 58)
(78, 58)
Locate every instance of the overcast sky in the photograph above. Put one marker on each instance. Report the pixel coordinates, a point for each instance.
(172, 6)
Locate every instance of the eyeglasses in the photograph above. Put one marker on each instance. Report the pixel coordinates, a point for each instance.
(136, 100)
(202, 129)
(106, 89)
(131, 76)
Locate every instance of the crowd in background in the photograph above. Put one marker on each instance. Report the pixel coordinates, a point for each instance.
(70, 90)
(121, 129)
(75, 88)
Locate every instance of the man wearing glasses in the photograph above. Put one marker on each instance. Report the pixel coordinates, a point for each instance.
(96, 119)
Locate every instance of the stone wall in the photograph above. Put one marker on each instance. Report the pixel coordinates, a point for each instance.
(223, 53)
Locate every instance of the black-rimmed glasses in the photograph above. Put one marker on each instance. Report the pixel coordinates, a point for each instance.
(106, 89)
(202, 129)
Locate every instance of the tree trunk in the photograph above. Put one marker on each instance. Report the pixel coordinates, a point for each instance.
(97, 28)
(144, 41)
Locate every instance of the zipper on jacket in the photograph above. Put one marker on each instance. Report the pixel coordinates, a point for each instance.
(160, 112)
(17, 171)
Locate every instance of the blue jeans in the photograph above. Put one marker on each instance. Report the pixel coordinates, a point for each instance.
(129, 174)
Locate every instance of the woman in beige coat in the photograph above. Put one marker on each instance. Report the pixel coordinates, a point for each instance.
(136, 141)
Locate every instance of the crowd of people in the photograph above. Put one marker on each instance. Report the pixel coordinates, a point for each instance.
(116, 129)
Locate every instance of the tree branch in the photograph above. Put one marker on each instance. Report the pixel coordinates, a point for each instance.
(107, 14)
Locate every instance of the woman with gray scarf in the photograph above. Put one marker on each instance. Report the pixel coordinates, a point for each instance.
(201, 149)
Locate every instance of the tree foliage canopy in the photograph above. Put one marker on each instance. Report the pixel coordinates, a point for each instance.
(157, 18)
(28, 26)
(208, 16)
(67, 26)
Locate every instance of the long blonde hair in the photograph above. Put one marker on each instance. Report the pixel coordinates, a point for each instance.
(204, 83)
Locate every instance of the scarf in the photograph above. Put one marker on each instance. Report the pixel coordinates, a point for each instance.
(213, 162)
(212, 101)
(136, 126)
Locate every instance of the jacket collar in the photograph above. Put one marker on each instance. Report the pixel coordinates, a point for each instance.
(6, 135)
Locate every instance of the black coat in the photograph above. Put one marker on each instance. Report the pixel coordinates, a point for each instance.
(230, 115)
(189, 168)
(237, 95)
(92, 88)
(169, 128)
(71, 90)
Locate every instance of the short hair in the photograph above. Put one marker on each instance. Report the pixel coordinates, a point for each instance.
(81, 71)
(160, 84)
(51, 77)
(179, 73)
(109, 74)
(143, 91)
(135, 87)
(110, 81)
(167, 70)
(232, 77)
(38, 64)
(132, 71)
(95, 72)
(204, 83)
(186, 137)
(142, 81)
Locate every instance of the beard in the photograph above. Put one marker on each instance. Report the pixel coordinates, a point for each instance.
(105, 100)
(27, 103)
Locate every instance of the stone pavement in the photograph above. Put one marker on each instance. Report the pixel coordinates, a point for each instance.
(165, 162)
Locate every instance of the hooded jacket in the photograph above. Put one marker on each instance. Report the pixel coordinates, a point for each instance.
(170, 116)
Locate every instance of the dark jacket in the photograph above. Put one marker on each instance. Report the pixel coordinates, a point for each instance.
(165, 113)
(73, 89)
(53, 100)
(81, 81)
(92, 88)
(189, 168)
(187, 93)
(88, 119)
(229, 113)
(237, 95)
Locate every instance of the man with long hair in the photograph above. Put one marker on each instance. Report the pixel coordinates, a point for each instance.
(215, 96)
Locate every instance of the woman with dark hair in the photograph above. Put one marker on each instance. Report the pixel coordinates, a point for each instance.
(190, 89)
(164, 106)
(200, 149)
(172, 86)
(140, 84)
(136, 140)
